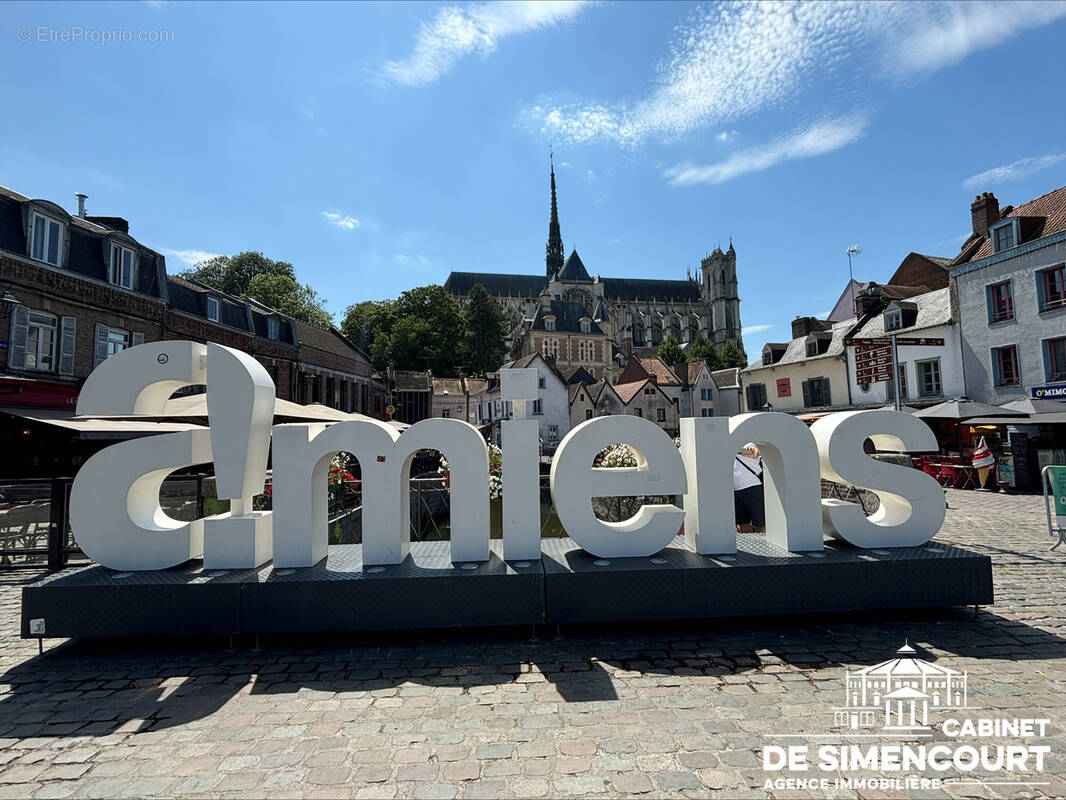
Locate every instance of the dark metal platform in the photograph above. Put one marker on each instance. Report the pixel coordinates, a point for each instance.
(759, 579)
(425, 591)
(568, 585)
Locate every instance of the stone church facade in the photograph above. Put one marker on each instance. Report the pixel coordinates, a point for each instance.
(635, 314)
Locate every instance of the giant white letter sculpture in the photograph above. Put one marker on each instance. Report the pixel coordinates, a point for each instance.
(574, 482)
(114, 503)
(240, 406)
(300, 529)
(791, 483)
(520, 468)
(912, 505)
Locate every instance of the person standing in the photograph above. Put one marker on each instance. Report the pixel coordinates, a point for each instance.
(747, 490)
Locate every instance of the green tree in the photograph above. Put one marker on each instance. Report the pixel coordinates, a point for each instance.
(367, 322)
(485, 332)
(233, 274)
(733, 356)
(670, 351)
(702, 349)
(272, 283)
(283, 294)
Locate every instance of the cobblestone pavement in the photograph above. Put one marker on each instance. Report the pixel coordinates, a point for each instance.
(663, 710)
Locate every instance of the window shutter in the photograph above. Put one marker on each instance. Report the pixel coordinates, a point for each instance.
(137, 338)
(990, 304)
(100, 347)
(67, 329)
(827, 400)
(1041, 290)
(806, 393)
(20, 330)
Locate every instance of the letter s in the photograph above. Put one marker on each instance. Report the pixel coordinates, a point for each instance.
(912, 503)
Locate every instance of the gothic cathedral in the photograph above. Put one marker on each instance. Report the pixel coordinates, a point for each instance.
(636, 314)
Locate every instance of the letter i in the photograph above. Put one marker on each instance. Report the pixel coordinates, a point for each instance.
(240, 408)
(521, 468)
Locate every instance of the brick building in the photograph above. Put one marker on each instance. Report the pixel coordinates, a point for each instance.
(77, 289)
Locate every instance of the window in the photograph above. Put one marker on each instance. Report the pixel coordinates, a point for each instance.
(929, 378)
(1055, 357)
(649, 390)
(549, 324)
(538, 406)
(893, 320)
(816, 392)
(1005, 366)
(212, 309)
(1051, 284)
(46, 239)
(117, 341)
(41, 342)
(1000, 302)
(446, 412)
(540, 383)
(707, 412)
(767, 358)
(660, 414)
(706, 394)
(120, 272)
(553, 432)
(812, 347)
(588, 413)
(586, 327)
(272, 328)
(1003, 236)
(756, 396)
(638, 412)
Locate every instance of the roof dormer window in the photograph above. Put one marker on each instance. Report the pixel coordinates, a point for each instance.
(1004, 235)
(812, 347)
(272, 328)
(893, 319)
(212, 309)
(46, 239)
(549, 323)
(120, 270)
(586, 326)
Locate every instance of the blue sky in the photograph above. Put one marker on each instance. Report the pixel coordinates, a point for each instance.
(379, 146)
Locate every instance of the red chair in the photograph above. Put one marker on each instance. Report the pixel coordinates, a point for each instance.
(948, 476)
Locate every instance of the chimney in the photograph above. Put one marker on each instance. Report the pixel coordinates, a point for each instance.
(984, 211)
(114, 223)
(802, 326)
(81, 203)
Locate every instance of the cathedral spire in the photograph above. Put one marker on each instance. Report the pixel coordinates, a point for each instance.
(554, 258)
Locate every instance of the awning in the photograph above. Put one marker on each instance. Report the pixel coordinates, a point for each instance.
(1057, 418)
(92, 428)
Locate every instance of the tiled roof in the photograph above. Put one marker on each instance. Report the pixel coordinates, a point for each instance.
(496, 284)
(577, 375)
(796, 350)
(573, 269)
(664, 376)
(694, 371)
(646, 289)
(627, 391)
(568, 316)
(727, 378)
(412, 381)
(476, 385)
(452, 386)
(1051, 207)
(330, 341)
(934, 308)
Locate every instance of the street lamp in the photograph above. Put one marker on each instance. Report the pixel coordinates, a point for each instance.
(852, 251)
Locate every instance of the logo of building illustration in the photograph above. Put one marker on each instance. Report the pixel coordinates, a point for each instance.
(899, 694)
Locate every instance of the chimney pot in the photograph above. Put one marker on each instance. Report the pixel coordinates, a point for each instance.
(81, 203)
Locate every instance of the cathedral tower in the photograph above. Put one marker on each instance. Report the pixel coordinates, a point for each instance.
(554, 259)
(719, 292)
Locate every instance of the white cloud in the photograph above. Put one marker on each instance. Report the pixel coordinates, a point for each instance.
(188, 257)
(752, 330)
(819, 138)
(1021, 168)
(414, 260)
(725, 136)
(734, 59)
(945, 33)
(341, 220)
(456, 32)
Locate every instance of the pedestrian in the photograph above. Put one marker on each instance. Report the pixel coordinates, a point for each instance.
(747, 490)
